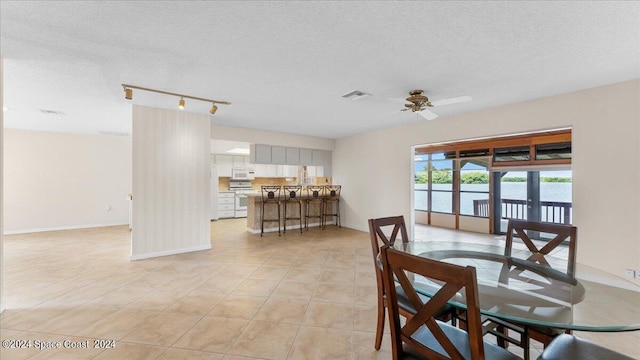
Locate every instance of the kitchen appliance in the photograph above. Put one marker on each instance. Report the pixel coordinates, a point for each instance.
(242, 189)
(243, 173)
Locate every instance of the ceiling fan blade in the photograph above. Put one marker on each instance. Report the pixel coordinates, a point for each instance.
(450, 101)
(427, 114)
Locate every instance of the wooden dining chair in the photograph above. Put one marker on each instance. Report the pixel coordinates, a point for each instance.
(566, 346)
(423, 336)
(522, 230)
(386, 231)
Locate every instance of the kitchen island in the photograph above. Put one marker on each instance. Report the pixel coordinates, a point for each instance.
(254, 214)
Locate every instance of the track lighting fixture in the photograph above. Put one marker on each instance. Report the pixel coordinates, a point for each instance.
(128, 94)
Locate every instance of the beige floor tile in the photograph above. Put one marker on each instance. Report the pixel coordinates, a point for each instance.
(283, 310)
(198, 302)
(365, 317)
(303, 274)
(321, 343)
(256, 287)
(333, 276)
(331, 315)
(336, 293)
(163, 329)
(363, 347)
(131, 351)
(26, 319)
(122, 296)
(294, 290)
(157, 300)
(213, 334)
(182, 354)
(275, 273)
(72, 321)
(30, 344)
(265, 339)
(118, 324)
(238, 307)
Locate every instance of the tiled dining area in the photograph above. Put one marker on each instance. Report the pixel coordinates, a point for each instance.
(298, 296)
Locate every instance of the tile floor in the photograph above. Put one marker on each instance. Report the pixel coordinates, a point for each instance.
(291, 297)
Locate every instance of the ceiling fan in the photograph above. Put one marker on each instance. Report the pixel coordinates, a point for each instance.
(418, 103)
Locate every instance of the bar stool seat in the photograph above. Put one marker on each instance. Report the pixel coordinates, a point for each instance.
(270, 199)
(331, 200)
(293, 197)
(314, 202)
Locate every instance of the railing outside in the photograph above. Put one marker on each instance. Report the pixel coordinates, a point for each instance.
(551, 211)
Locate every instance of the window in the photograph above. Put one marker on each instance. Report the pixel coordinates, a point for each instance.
(442, 182)
(520, 153)
(420, 196)
(474, 186)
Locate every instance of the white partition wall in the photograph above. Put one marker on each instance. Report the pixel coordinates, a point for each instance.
(1, 187)
(170, 182)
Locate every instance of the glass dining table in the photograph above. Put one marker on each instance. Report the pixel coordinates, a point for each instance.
(514, 288)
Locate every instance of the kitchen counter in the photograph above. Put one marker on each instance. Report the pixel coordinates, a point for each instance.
(254, 210)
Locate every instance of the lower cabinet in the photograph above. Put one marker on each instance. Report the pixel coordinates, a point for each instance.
(226, 205)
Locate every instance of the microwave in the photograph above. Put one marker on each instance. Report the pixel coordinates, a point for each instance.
(244, 173)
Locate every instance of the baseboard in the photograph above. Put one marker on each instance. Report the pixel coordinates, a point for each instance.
(170, 252)
(59, 228)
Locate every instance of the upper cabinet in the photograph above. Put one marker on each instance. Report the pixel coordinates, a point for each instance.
(292, 156)
(306, 156)
(280, 155)
(224, 163)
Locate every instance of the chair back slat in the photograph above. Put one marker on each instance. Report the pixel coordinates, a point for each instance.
(563, 233)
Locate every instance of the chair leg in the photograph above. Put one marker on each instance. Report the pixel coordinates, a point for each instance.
(380, 327)
(300, 215)
(262, 221)
(278, 205)
(285, 218)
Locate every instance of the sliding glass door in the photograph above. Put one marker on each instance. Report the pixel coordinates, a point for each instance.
(541, 195)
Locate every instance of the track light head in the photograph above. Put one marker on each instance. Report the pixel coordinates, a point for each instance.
(181, 104)
(128, 94)
(213, 109)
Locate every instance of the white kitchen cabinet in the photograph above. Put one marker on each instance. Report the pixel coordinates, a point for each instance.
(226, 205)
(273, 170)
(240, 161)
(260, 170)
(289, 171)
(224, 164)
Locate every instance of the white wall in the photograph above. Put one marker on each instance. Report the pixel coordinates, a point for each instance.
(1, 182)
(375, 168)
(269, 137)
(171, 182)
(61, 181)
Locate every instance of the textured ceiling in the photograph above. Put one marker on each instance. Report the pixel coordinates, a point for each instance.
(285, 65)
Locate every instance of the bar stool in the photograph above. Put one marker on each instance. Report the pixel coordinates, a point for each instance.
(315, 194)
(270, 197)
(292, 195)
(332, 196)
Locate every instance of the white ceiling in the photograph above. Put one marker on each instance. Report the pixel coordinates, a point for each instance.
(284, 65)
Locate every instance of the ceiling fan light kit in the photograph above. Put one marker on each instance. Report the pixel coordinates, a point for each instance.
(128, 94)
(418, 103)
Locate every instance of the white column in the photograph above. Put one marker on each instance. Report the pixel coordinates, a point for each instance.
(170, 182)
(1, 187)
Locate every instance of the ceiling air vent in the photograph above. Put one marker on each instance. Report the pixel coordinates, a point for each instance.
(52, 112)
(355, 95)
